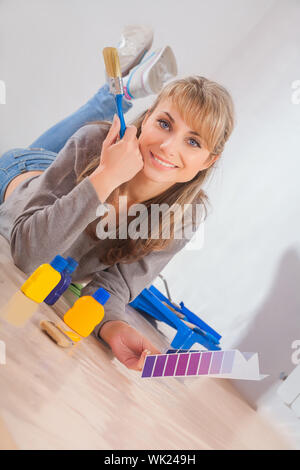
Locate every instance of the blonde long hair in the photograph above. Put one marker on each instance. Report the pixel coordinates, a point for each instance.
(207, 108)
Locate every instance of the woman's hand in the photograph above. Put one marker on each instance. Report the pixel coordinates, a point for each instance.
(120, 160)
(127, 344)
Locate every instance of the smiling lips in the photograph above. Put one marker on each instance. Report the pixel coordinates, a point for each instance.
(163, 163)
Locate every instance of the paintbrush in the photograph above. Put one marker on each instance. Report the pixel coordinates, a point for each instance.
(113, 70)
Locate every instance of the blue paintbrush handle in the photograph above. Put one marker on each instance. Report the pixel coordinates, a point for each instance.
(120, 114)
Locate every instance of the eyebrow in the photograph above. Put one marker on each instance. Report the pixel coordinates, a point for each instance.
(173, 121)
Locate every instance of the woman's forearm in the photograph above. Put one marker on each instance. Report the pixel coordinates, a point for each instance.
(108, 328)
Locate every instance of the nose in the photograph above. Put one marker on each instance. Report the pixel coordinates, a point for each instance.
(169, 146)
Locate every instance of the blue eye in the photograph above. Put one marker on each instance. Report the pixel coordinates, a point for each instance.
(162, 121)
(197, 143)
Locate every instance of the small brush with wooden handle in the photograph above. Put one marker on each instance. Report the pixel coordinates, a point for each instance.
(113, 70)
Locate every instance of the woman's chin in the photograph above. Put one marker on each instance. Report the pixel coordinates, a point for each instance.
(154, 175)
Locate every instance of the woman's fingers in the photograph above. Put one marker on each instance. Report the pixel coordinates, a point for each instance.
(113, 132)
(148, 349)
(130, 133)
(141, 360)
(147, 345)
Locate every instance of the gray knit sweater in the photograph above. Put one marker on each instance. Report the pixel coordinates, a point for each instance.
(46, 215)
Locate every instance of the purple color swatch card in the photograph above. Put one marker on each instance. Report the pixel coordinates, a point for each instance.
(231, 364)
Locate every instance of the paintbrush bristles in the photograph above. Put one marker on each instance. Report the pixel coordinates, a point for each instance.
(112, 62)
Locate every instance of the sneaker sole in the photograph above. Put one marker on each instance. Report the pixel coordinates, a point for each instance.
(137, 59)
(153, 73)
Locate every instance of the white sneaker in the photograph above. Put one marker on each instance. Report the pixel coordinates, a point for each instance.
(149, 76)
(135, 42)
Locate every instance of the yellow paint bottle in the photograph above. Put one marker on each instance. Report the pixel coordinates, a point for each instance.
(44, 279)
(87, 312)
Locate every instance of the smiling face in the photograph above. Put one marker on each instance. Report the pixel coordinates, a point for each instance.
(172, 151)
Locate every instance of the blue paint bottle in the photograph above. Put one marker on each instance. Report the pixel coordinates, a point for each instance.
(63, 285)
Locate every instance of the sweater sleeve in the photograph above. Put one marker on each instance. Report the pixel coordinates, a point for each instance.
(125, 281)
(57, 210)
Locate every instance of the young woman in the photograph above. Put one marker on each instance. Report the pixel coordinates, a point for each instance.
(164, 157)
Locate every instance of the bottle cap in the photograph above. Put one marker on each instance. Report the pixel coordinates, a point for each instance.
(59, 263)
(101, 295)
(72, 264)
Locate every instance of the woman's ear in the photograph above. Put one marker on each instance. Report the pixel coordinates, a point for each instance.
(215, 158)
(211, 160)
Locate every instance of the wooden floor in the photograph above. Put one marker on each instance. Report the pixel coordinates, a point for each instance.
(83, 398)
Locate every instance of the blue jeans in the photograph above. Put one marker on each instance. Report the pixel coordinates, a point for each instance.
(43, 151)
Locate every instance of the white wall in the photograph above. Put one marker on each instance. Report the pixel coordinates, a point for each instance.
(245, 281)
(51, 50)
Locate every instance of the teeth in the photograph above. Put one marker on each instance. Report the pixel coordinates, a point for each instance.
(169, 165)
